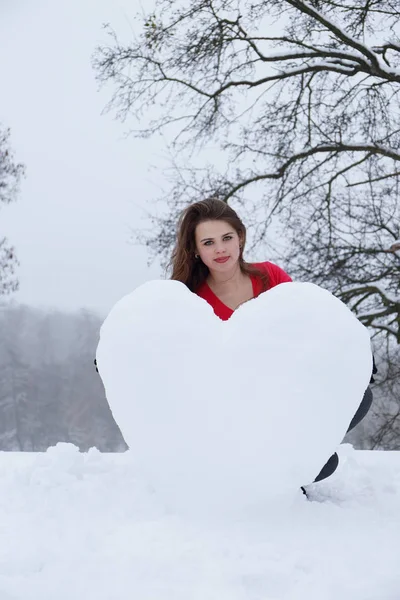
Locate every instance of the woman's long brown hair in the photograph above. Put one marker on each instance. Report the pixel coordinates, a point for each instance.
(191, 270)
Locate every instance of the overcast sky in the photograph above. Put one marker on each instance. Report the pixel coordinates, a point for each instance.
(86, 184)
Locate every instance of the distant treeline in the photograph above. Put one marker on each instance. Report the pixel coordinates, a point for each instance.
(49, 389)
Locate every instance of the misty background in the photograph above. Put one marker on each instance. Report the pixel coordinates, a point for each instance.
(86, 187)
(49, 389)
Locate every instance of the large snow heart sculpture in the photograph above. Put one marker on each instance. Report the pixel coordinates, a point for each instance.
(230, 413)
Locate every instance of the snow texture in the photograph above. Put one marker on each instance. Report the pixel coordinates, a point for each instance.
(85, 527)
(226, 419)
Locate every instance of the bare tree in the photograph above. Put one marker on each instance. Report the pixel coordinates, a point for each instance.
(302, 99)
(10, 175)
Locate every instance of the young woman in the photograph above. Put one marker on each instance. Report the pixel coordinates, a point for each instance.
(208, 258)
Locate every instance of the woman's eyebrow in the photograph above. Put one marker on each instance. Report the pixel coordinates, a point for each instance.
(207, 239)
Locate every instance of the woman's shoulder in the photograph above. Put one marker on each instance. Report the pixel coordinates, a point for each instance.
(276, 274)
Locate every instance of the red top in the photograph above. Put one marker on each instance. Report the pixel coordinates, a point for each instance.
(276, 275)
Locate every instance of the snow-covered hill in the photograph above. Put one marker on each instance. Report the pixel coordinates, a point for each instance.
(81, 527)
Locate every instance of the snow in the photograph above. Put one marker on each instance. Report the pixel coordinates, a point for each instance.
(376, 287)
(395, 247)
(84, 526)
(227, 417)
(206, 503)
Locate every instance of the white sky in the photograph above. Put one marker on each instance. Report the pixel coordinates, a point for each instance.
(86, 183)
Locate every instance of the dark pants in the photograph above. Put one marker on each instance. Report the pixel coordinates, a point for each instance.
(362, 410)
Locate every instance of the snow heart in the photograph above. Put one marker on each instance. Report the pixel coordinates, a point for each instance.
(228, 414)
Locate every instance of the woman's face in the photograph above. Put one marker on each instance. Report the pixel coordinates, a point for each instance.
(218, 245)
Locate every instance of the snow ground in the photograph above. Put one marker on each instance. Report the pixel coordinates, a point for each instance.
(82, 526)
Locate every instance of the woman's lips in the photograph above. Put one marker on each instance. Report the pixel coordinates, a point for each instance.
(222, 260)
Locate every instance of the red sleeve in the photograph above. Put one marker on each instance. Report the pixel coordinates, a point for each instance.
(276, 274)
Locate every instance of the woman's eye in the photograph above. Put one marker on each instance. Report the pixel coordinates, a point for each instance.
(225, 239)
